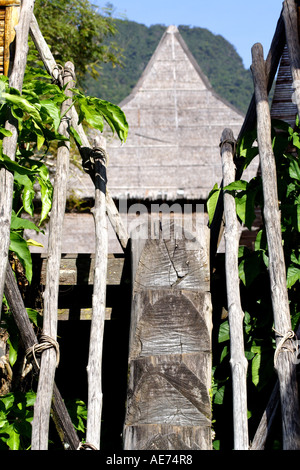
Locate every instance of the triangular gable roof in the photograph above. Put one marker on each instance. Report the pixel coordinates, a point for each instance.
(175, 123)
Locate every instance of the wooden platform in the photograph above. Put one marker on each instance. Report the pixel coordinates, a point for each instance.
(76, 283)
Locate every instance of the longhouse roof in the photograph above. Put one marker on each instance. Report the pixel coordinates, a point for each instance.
(175, 123)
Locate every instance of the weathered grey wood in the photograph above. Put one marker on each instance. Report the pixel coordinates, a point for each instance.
(10, 143)
(168, 404)
(40, 423)
(267, 419)
(285, 365)
(238, 361)
(78, 269)
(59, 411)
(85, 147)
(266, 422)
(290, 16)
(272, 61)
(94, 368)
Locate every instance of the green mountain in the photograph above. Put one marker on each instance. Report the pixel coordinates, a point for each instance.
(217, 58)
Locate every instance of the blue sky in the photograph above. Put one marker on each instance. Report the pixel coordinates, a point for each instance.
(242, 23)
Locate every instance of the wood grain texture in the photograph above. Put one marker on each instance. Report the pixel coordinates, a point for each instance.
(238, 361)
(40, 423)
(285, 366)
(10, 143)
(94, 368)
(60, 413)
(168, 404)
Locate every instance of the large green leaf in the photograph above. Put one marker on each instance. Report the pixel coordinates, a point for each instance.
(20, 102)
(293, 275)
(19, 246)
(18, 223)
(212, 202)
(224, 334)
(94, 110)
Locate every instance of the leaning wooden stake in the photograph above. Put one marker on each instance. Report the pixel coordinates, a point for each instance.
(290, 16)
(268, 417)
(238, 361)
(60, 413)
(284, 362)
(94, 368)
(273, 59)
(40, 422)
(85, 148)
(10, 143)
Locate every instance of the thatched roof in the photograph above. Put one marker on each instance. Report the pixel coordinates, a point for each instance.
(175, 123)
(282, 106)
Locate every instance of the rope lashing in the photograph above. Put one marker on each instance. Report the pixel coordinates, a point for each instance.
(281, 346)
(228, 141)
(98, 160)
(86, 446)
(46, 342)
(56, 73)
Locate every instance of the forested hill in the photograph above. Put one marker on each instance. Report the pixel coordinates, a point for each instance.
(217, 58)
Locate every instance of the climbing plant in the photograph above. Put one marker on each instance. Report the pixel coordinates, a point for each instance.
(253, 273)
(37, 111)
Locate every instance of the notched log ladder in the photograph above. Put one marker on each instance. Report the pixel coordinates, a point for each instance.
(168, 405)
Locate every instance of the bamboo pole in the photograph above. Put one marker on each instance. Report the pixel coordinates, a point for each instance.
(10, 143)
(60, 413)
(94, 367)
(85, 147)
(290, 16)
(284, 363)
(238, 361)
(42, 406)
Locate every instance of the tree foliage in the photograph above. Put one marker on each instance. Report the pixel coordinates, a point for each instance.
(78, 31)
(255, 283)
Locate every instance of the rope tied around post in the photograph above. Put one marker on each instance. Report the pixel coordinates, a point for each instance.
(228, 141)
(281, 346)
(46, 342)
(86, 446)
(98, 159)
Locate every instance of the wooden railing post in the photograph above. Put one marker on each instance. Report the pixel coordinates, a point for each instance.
(42, 405)
(85, 148)
(284, 363)
(9, 145)
(238, 361)
(94, 367)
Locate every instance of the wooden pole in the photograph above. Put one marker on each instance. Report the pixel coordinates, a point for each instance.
(10, 143)
(238, 361)
(290, 16)
(94, 367)
(285, 366)
(267, 419)
(85, 148)
(42, 406)
(273, 59)
(61, 416)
